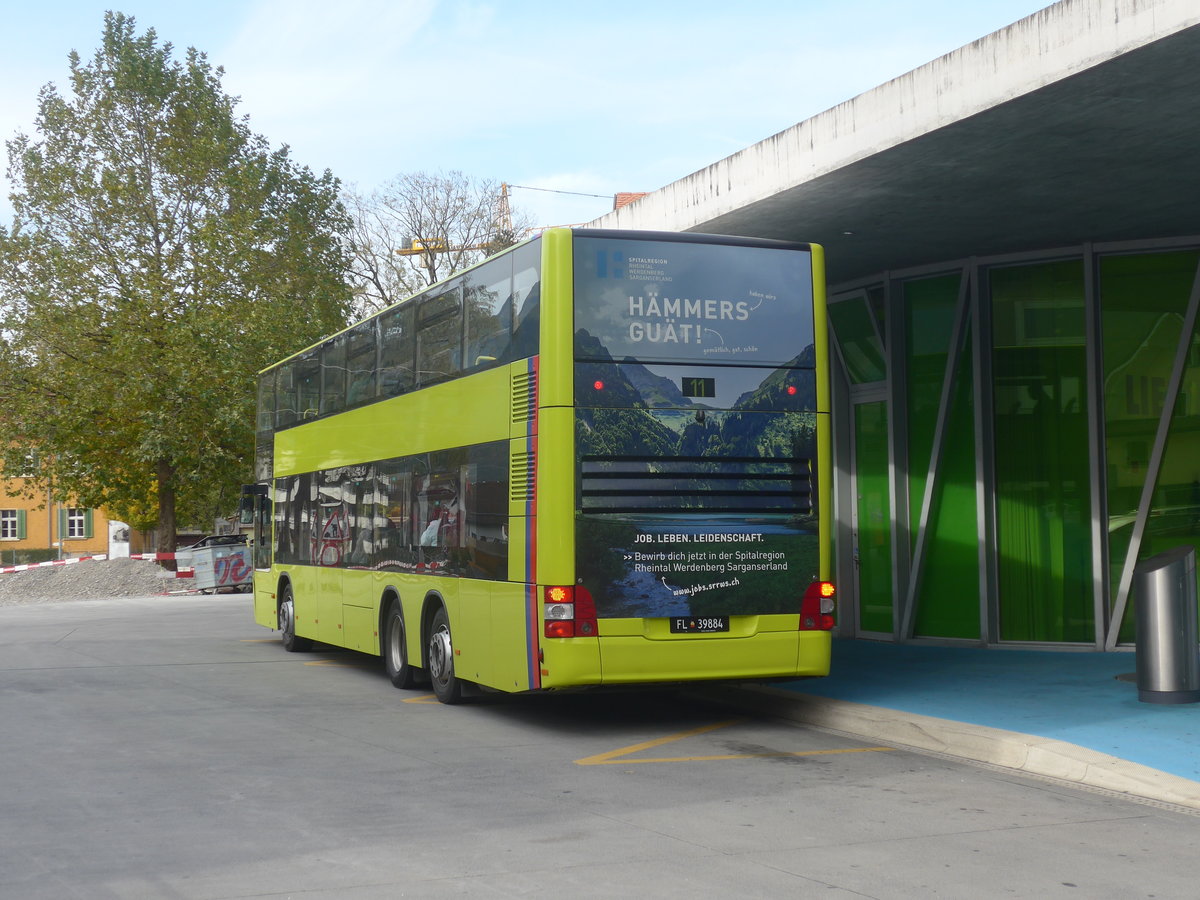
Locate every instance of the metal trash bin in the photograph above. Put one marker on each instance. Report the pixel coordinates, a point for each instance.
(1168, 645)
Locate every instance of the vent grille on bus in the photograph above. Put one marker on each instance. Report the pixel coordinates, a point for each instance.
(524, 397)
(651, 484)
(520, 477)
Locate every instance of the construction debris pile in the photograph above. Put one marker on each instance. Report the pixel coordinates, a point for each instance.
(87, 580)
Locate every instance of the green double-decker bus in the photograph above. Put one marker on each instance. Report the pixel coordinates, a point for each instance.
(598, 458)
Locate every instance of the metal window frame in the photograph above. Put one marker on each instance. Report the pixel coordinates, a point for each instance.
(846, 395)
(934, 475)
(1154, 464)
(978, 319)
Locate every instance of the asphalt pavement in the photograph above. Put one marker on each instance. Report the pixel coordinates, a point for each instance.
(1070, 715)
(169, 747)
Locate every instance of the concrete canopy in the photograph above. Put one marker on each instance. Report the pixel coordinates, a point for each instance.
(1078, 123)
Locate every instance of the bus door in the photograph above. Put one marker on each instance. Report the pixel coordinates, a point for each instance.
(254, 513)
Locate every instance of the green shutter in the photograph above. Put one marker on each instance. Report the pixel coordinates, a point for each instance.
(62, 523)
(20, 524)
(87, 523)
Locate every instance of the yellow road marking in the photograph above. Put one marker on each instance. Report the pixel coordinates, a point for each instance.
(620, 756)
(424, 698)
(337, 664)
(259, 641)
(602, 758)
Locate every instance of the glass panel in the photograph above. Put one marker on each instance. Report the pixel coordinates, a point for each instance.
(1143, 302)
(929, 305)
(393, 515)
(357, 489)
(396, 351)
(439, 336)
(295, 503)
(875, 297)
(661, 301)
(308, 385)
(948, 602)
(330, 531)
(527, 299)
(488, 298)
(262, 532)
(333, 375)
(1042, 462)
(487, 511)
(360, 363)
(439, 496)
(266, 402)
(285, 396)
(264, 456)
(854, 328)
(874, 517)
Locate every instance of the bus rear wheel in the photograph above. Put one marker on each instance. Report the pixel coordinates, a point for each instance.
(395, 649)
(287, 623)
(446, 686)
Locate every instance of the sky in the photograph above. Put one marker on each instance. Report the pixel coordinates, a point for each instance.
(545, 95)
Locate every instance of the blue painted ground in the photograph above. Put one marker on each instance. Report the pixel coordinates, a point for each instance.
(1068, 696)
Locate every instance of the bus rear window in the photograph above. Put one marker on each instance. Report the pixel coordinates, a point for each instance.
(657, 301)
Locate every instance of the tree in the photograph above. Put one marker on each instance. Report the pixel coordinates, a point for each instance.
(420, 228)
(160, 254)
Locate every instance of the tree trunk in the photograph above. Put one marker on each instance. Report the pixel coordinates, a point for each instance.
(165, 476)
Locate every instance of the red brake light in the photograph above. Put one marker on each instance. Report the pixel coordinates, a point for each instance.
(791, 389)
(817, 606)
(568, 612)
(559, 629)
(598, 385)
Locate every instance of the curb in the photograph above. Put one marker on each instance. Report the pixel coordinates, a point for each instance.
(1033, 755)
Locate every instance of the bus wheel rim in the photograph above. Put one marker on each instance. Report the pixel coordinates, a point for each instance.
(395, 638)
(439, 654)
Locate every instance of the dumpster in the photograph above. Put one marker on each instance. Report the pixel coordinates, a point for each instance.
(1168, 646)
(224, 566)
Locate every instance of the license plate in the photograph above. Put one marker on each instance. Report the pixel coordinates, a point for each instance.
(699, 624)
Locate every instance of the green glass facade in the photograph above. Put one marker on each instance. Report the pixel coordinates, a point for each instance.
(874, 516)
(942, 496)
(1042, 465)
(1042, 422)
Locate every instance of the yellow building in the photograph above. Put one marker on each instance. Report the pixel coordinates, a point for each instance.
(39, 527)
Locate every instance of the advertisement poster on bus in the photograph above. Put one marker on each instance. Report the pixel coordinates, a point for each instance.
(695, 393)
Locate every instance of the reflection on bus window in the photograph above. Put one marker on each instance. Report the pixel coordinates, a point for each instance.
(308, 385)
(527, 297)
(333, 375)
(488, 312)
(360, 364)
(396, 352)
(439, 336)
(285, 396)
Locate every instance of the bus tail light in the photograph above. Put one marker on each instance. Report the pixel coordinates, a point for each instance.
(816, 609)
(568, 612)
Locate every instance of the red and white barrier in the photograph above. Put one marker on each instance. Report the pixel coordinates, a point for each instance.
(181, 573)
(53, 562)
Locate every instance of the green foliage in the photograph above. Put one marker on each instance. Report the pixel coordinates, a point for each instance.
(160, 254)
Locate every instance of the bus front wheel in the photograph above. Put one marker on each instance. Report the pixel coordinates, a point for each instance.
(446, 686)
(395, 649)
(287, 623)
